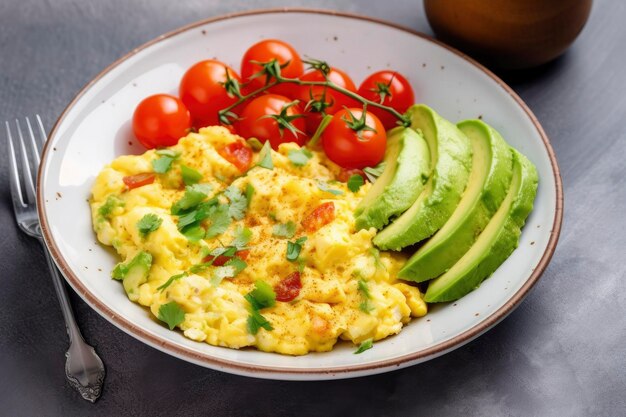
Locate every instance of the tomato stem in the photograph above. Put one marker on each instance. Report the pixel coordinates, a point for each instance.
(279, 79)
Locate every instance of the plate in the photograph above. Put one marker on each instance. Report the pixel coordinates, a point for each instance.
(95, 128)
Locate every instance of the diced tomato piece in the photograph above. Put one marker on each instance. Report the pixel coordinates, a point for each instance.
(289, 288)
(238, 154)
(138, 180)
(221, 259)
(345, 174)
(321, 216)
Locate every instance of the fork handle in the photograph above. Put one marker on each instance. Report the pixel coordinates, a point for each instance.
(83, 367)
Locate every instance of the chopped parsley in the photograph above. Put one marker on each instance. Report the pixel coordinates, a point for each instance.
(220, 220)
(194, 195)
(363, 289)
(193, 233)
(238, 202)
(355, 182)
(284, 230)
(237, 264)
(190, 175)
(148, 224)
(324, 187)
(372, 173)
(221, 272)
(262, 296)
(171, 280)
(265, 156)
(242, 237)
(294, 248)
(299, 157)
(366, 345)
(172, 314)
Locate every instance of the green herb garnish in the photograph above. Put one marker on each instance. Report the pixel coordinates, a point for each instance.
(299, 157)
(249, 193)
(172, 314)
(148, 224)
(220, 220)
(194, 195)
(262, 296)
(294, 248)
(162, 164)
(324, 187)
(355, 182)
(238, 202)
(367, 344)
(287, 230)
(171, 280)
(190, 175)
(365, 295)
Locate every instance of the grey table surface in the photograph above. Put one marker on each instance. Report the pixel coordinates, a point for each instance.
(563, 352)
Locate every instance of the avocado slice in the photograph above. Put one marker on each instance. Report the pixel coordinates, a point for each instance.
(489, 180)
(450, 160)
(133, 273)
(407, 164)
(496, 242)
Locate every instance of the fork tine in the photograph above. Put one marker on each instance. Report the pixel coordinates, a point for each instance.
(42, 131)
(29, 185)
(33, 143)
(16, 189)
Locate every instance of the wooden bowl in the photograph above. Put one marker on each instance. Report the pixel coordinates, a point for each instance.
(509, 34)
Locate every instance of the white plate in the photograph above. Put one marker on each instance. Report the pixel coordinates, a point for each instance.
(95, 128)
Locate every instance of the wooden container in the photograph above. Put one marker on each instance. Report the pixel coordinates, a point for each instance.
(509, 34)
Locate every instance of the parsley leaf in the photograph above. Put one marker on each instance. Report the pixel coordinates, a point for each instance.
(242, 237)
(148, 224)
(249, 193)
(367, 344)
(355, 182)
(171, 280)
(372, 173)
(220, 220)
(190, 175)
(107, 208)
(265, 157)
(193, 233)
(256, 321)
(194, 195)
(299, 157)
(294, 248)
(221, 272)
(284, 230)
(162, 165)
(324, 187)
(172, 314)
(238, 202)
(238, 264)
(255, 144)
(365, 294)
(262, 296)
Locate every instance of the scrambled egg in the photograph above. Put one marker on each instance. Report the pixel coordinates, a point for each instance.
(349, 289)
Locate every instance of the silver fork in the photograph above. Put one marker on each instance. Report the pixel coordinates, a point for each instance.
(83, 367)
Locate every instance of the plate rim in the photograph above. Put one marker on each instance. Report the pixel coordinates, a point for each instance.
(210, 361)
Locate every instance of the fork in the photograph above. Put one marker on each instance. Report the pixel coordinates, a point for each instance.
(83, 367)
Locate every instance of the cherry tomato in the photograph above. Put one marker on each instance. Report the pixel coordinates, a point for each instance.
(257, 120)
(238, 154)
(334, 101)
(138, 180)
(289, 288)
(345, 174)
(391, 89)
(265, 51)
(221, 259)
(203, 91)
(350, 148)
(319, 217)
(160, 120)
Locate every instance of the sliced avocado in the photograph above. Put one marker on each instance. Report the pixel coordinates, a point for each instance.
(450, 160)
(489, 181)
(495, 243)
(407, 164)
(133, 273)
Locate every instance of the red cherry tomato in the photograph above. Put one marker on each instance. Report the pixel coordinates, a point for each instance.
(349, 148)
(257, 121)
(203, 92)
(334, 100)
(238, 154)
(391, 89)
(289, 288)
(265, 51)
(138, 180)
(319, 217)
(160, 120)
(221, 259)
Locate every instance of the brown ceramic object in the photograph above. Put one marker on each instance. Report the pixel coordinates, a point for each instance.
(509, 34)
